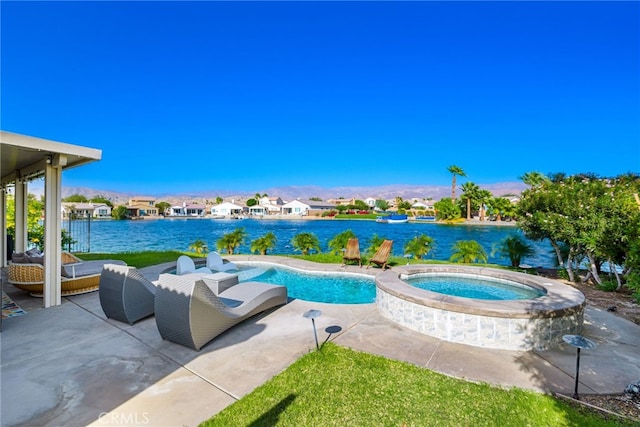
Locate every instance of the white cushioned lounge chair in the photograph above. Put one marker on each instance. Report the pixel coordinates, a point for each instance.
(186, 265)
(216, 263)
(189, 313)
(125, 294)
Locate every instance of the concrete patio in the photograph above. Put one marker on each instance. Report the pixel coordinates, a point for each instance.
(70, 366)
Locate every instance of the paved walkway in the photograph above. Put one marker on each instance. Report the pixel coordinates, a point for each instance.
(70, 366)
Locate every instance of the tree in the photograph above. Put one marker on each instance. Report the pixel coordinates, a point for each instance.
(101, 199)
(339, 241)
(305, 242)
(381, 204)
(219, 200)
(513, 247)
(361, 205)
(75, 198)
(374, 244)
(231, 241)
(455, 171)
(264, 243)
(162, 207)
(501, 207)
(199, 247)
(252, 202)
(533, 179)
(419, 246)
(467, 252)
(470, 194)
(119, 212)
(447, 210)
(484, 197)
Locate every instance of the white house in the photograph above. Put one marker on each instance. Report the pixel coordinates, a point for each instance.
(226, 209)
(425, 205)
(370, 201)
(85, 210)
(270, 205)
(307, 207)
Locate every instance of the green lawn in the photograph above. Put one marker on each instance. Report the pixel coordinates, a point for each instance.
(341, 387)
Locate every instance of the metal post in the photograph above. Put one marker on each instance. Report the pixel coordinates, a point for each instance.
(315, 334)
(575, 391)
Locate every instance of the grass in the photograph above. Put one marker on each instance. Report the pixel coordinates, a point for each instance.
(139, 259)
(339, 386)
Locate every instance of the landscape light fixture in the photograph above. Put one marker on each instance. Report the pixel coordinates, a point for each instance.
(578, 342)
(312, 314)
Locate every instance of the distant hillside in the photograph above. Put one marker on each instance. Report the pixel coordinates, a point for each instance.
(289, 193)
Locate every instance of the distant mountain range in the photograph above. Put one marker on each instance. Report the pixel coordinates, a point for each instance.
(288, 193)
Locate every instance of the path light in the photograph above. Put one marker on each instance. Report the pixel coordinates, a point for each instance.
(579, 342)
(312, 314)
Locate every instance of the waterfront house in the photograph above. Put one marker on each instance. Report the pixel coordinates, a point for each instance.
(85, 210)
(226, 209)
(307, 207)
(139, 207)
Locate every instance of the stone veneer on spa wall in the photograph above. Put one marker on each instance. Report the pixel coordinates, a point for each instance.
(535, 324)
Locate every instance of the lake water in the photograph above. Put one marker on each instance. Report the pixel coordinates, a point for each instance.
(111, 236)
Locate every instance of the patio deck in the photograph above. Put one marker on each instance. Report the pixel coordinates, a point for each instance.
(69, 365)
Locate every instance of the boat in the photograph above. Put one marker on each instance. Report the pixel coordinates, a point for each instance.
(392, 219)
(425, 218)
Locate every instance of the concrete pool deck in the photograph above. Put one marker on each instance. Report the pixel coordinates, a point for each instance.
(70, 366)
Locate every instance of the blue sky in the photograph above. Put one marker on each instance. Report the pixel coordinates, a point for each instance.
(245, 96)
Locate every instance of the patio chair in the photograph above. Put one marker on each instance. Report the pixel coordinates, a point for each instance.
(190, 314)
(216, 263)
(381, 256)
(186, 265)
(125, 294)
(352, 252)
(77, 276)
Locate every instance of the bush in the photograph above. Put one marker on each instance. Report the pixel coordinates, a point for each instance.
(608, 286)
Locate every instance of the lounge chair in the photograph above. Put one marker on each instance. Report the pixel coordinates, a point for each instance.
(77, 276)
(352, 252)
(216, 263)
(190, 314)
(186, 265)
(125, 294)
(382, 255)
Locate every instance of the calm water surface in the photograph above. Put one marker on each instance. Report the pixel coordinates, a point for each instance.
(110, 236)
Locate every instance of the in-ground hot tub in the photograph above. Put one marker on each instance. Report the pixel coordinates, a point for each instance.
(524, 324)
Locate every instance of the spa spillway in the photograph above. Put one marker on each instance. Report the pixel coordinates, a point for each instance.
(537, 323)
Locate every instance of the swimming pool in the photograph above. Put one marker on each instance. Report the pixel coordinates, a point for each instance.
(328, 287)
(468, 286)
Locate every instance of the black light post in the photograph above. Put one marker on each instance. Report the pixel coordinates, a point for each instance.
(578, 342)
(312, 314)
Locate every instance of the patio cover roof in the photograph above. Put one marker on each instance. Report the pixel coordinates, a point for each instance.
(25, 156)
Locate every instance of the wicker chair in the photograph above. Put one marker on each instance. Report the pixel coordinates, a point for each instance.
(125, 294)
(352, 252)
(190, 314)
(216, 263)
(78, 277)
(381, 256)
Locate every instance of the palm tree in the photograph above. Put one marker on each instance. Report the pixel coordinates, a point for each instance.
(470, 193)
(374, 243)
(305, 242)
(199, 247)
(533, 178)
(468, 251)
(231, 241)
(419, 246)
(501, 206)
(484, 198)
(513, 247)
(455, 171)
(264, 243)
(339, 241)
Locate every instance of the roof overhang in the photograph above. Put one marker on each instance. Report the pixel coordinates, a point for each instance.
(25, 157)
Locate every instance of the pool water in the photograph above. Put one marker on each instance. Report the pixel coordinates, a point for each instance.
(334, 288)
(472, 287)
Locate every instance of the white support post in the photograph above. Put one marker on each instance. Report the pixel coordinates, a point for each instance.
(21, 211)
(4, 250)
(52, 237)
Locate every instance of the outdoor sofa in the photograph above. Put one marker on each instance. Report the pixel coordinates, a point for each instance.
(26, 272)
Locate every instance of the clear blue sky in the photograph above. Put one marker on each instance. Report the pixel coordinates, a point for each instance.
(244, 96)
